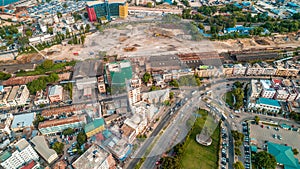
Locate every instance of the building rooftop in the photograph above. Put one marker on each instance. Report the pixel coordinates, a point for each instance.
(23, 120)
(55, 90)
(93, 125)
(119, 72)
(91, 158)
(21, 144)
(4, 156)
(52, 123)
(283, 155)
(267, 101)
(13, 93)
(30, 165)
(41, 146)
(90, 68)
(267, 85)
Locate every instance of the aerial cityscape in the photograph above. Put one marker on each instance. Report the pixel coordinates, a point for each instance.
(149, 84)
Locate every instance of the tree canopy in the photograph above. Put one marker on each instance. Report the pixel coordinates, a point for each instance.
(146, 77)
(81, 138)
(4, 76)
(58, 147)
(238, 165)
(264, 160)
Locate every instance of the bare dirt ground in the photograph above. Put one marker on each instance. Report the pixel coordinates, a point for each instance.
(148, 39)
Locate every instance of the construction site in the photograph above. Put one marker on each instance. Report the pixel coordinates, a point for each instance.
(143, 39)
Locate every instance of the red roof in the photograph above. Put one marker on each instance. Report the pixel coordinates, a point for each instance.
(277, 81)
(29, 165)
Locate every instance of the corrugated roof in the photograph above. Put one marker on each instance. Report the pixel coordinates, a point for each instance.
(93, 125)
(4, 156)
(41, 146)
(283, 155)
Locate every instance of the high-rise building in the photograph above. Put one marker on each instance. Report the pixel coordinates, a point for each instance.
(107, 9)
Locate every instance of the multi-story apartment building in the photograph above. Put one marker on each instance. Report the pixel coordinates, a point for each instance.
(267, 90)
(256, 88)
(15, 158)
(134, 95)
(281, 94)
(239, 69)
(268, 104)
(293, 94)
(255, 70)
(11, 98)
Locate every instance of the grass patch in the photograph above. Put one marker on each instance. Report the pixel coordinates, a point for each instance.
(197, 156)
(229, 98)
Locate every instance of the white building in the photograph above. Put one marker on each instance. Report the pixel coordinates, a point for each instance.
(239, 69)
(134, 95)
(268, 104)
(22, 95)
(255, 70)
(23, 153)
(55, 93)
(255, 89)
(137, 122)
(40, 98)
(267, 90)
(41, 146)
(3, 97)
(293, 94)
(282, 94)
(11, 98)
(94, 158)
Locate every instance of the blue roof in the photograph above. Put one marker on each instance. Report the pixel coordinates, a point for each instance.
(283, 155)
(22, 120)
(267, 101)
(292, 11)
(1, 87)
(292, 4)
(245, 3)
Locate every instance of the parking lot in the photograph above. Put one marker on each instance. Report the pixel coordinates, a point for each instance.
(224, 150)
(280, 136)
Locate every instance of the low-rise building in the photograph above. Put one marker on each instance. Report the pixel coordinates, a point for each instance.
(128, 133)
(227, 69)
(95, 157)
(239, 69)
(137, 122)
(94, 127)
(41, 98)
(101, 85)
(3, 97)
(54, 126)
(158, 96)
(5, 120)
(11, 98)
(22, 95)
(255, 70)
(119, 147)
(281, 71)
(15, 158)
(22, 121)
(268, 104)
(41, 146)
(55, 93)
(207, 71)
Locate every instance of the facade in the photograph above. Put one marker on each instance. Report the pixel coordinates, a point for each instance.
(55, 93)
(41, 146)
(239, 69)
(94, 127)
(255, 70)
(255, 89)
(282, 94)
(40, 98)
(107, 9)
(207, 71)
(54, 126)
(268, 104)
(94, 158)
(23, 154)
(134, 95)
(267, 90)
(227, 69)
(281, 71)
(3, 97)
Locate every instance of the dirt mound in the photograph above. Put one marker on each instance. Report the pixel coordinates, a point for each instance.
(262, 42)
(130, 49)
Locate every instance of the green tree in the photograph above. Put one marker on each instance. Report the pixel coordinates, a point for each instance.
(174, 83)
(4, 76)
(237, 151)
(256, 119)
(149, 5)
(58, 147)
(87, 28)
(68, 131)
(238, 165)
(170, 163)
(38, 118)
(295, 151)
(47, 64)
(264, 160)
(81, 138)
(82, 38)
(65, 5)
(153, 88)
(146, 77)
(171, 95)
(238, 84)
(50, 30)
(28, 33)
